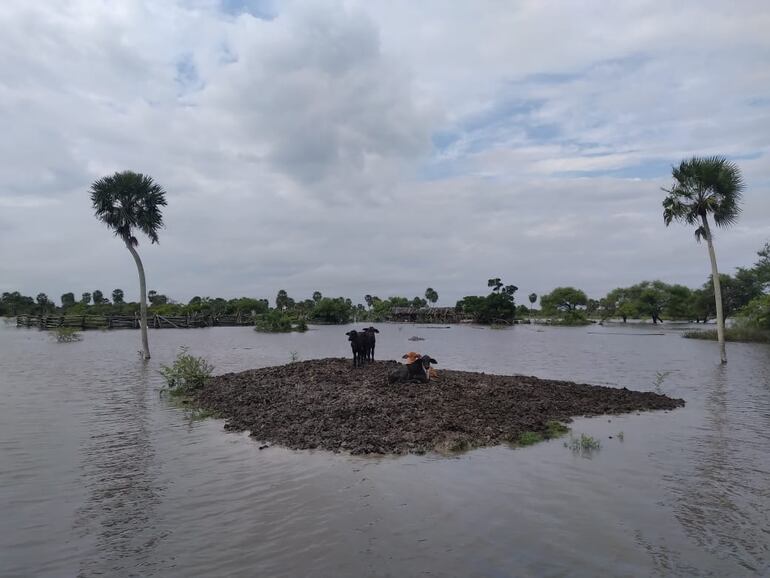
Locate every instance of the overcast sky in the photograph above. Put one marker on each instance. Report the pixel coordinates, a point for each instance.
(376, 147)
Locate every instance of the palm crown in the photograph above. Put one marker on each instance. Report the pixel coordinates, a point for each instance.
(704, 186)
(127, 201)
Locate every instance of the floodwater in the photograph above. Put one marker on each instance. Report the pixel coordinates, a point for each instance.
(100, 475)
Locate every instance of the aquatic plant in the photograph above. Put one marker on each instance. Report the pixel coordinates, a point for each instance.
(584, 444)
(67, 334)
(744, 334)
(187, 374)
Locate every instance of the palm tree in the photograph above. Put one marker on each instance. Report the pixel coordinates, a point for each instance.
(431, 295)
(127, 201)
(702, 187)
(532, 299)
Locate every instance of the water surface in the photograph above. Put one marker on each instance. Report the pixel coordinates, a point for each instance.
(99, 475)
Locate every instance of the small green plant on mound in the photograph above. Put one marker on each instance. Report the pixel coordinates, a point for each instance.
(67, 334)
(293, 356)
(187, 374)
(529, 437)
(584, 444)
(554, 429)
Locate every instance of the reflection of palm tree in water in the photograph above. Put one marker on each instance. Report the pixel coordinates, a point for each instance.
(718, 504)
(118, 464)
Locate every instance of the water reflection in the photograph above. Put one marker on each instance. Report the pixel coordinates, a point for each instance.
(118, 469)
(721, 501)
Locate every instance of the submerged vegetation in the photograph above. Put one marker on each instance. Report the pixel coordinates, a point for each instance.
(585, 444)
(740, 334)
(67, 334)
(277, 321)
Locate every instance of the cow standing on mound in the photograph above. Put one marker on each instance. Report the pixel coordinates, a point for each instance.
(358, 346)
(370, 340)
(417, 371)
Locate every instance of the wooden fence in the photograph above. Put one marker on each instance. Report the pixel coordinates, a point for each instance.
(426, 315)
(132, 322)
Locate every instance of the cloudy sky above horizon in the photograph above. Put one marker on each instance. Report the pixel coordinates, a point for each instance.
(358, 147)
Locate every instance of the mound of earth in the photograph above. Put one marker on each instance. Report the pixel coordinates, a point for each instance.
(326, 403)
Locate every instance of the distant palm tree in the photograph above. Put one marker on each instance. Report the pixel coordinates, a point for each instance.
(127, 201)
(532, 299)
(431, 295)
(703, 187)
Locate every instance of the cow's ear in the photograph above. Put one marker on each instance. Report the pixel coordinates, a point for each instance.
(404, 356)
(375, 330)
(433, 360)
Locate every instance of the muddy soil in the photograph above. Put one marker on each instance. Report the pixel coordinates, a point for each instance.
(327, 404)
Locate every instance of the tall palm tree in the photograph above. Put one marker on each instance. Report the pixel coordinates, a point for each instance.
(702, 187)
(127, 201)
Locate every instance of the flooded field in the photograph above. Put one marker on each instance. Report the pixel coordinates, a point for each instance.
(100, 475)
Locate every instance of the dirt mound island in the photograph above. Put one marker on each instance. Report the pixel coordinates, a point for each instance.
(325, 403)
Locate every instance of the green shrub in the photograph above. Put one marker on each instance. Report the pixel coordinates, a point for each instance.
(187, 374)
(572, 318)
(275, 321)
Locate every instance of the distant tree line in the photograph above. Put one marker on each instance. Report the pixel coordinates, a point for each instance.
(744, 294)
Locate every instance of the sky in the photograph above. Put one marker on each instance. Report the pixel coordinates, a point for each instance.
(376, 147)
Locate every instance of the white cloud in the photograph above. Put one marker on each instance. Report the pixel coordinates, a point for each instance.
(297, 152)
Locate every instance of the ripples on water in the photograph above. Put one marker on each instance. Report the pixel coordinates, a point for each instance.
(101, 476)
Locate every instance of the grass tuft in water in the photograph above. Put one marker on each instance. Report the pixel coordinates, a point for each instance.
(584, 444)
(67, 334)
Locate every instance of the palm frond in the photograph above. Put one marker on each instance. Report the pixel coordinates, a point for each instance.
(704, 186)
(127, 201)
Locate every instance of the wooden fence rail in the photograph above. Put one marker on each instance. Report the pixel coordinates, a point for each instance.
(84, 322)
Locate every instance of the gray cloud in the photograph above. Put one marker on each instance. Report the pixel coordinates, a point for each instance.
(295, 142)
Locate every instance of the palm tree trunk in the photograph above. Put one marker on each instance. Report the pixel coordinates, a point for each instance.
(142, 301)
(717, 291)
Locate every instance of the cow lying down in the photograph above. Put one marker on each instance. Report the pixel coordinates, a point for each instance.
(417, 371)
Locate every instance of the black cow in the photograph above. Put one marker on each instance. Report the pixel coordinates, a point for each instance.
(416, 371)
(369, 342)
(357, 345)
